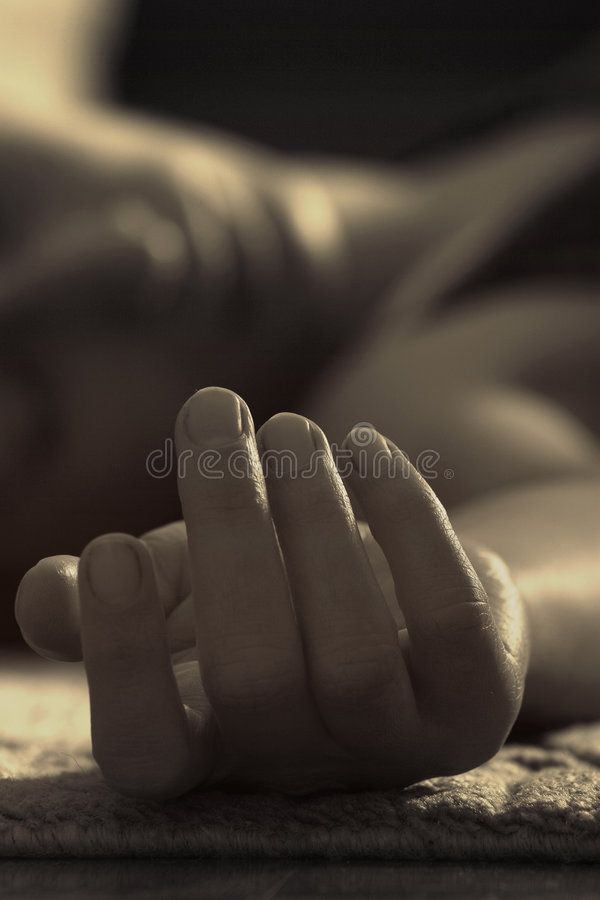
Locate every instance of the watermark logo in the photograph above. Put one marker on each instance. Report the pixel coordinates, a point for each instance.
(362, 460)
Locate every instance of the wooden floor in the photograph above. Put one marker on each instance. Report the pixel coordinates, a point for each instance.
(179, 880)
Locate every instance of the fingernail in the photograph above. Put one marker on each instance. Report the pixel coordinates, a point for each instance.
(287, 431)
(213, 417)
(114, 572)
(371, 457)
(367, 439)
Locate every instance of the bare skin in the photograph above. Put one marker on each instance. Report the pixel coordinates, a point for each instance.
(504, 392)
(291, 671)
(225, 656)
(163, 223)
(485, 635)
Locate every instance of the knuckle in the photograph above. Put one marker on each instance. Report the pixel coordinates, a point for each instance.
(117, 653)
(123, 660)
(229, 500)
(356, 679)
(456, 624)
(241, 685)
(314, 502)
(116, 657)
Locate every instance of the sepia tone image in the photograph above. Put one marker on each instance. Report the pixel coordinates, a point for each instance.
(299, 449)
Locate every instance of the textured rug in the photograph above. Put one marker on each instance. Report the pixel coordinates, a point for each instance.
(532, 801)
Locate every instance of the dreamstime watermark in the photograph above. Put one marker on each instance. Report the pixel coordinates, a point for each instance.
(362, 459)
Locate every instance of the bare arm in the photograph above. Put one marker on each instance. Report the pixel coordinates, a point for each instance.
(526, 478)
(549, 535)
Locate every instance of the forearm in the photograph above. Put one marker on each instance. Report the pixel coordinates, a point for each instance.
(549, 536)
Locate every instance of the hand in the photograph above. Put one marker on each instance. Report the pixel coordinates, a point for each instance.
(254, 646)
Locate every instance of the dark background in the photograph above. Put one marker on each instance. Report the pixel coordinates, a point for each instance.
(376, 79)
